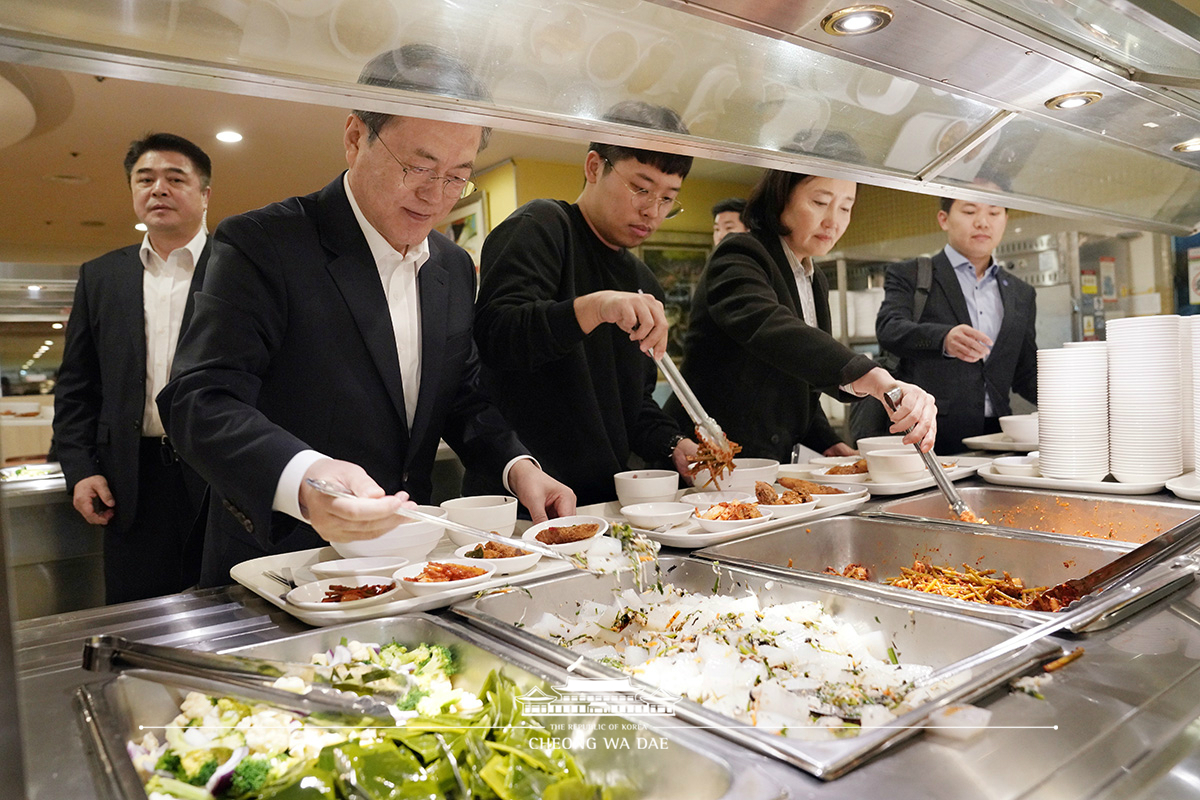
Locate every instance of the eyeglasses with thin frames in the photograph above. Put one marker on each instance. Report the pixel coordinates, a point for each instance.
(643, 199)
(417, 178)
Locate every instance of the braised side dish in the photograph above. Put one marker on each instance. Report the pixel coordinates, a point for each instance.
(718, 463)
(344, 594)
(972, 585)
(732, 511)
(769, 497)
(808, 487)
(437, 572)
(495, 550)
(856, 571)
(857, 468)
(566, 534)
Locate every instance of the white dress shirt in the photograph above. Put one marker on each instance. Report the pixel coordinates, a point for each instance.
(165, 286)
(984, 304)
(802, 269)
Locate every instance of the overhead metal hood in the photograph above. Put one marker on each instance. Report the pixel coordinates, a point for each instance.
(949, 98)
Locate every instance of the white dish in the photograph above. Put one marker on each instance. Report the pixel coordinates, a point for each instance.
(411, 540)
(869, 443)
(747, 471)
(504, 566)
(822, 476)
(895, 465)
(491, 512)
(1020, 427)
(1186, 486)
(418, 589)
(703, 500)
(31, 472)
(309, 595)
(646, 486)
(692, 536)
(345, 567)
(967, 467)
(562, 522)
(1042, 482)
(998, 442)
(723, 525)
(851, 492)
(802, 471)
(653, 515)
(788, 510)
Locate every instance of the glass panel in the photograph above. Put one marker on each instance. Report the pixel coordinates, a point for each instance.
(1088, 172)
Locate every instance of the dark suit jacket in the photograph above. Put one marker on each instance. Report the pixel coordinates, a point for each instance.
(957, 386)
(754, 364)
(292, 348)
(100, 396)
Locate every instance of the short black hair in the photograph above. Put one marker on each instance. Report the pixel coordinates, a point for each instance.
(768, 199)
(735, 204)
(944, 204)
(645, 115)
(420, 68)
(169, 143)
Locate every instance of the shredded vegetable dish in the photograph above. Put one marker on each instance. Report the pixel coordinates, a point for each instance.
(973, 585)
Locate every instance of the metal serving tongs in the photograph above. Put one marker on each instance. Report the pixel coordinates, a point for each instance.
(706, 427)
(636, 547)
(108, 653)
(961, 510)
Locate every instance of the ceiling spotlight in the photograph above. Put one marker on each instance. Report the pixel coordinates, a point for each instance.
(34, 287)
(1149, 124)
(855, 20)
(229, 136)
(50, 342)
(141, 226)
(57, 326)
(1065, 102)
(1190, 146)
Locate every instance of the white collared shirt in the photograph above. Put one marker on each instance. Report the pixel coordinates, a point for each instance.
(985, 307)
(165, 287)
(802, 269)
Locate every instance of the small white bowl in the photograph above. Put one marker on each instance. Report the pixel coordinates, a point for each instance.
(801, 471)
(646, 486)
(787, 509)
(489, 512)
(1022, 466)
(723, 525)
(343, 567)
(1020, 427)
(830, 461)
(417, 589)
(563, 522)
(309, 595)
(504, 566)
(702, 500)
(895, 466)
(651, 515)
(748, 471)
(411, 540)
(869, 443)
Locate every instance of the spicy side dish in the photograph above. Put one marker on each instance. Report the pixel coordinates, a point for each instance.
(857, 468)
(731, 511)
(717, 463)
(438, 572)
(808, 487)
(973, 585)
(767, 495)
(495, 550)
(345, 594)
(565, 534)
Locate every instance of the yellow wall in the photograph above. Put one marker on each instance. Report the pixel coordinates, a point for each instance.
(882, 215)
(500, 185)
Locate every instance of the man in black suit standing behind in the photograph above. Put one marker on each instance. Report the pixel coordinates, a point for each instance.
(333, 340)
(976, 339)
(129, 308)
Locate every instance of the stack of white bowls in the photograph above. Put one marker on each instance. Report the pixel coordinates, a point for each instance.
(1189, 328)
(1145, 402)
(1073, 412)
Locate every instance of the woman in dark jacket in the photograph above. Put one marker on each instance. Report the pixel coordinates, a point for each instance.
(758, 349)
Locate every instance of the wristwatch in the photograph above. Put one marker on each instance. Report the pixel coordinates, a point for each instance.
(673, 443)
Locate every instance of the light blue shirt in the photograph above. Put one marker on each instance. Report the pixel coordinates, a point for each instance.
(983, 300)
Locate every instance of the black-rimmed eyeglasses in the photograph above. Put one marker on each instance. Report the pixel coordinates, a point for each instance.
(418, 178)
(644, 199)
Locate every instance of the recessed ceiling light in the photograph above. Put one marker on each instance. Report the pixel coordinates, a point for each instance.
(1149, 124)
(229, 136)
(856, 20)
(1065, 102)
(1190, 146)
(57, 326)
(34, 287)
(50, 342)
(141, 226)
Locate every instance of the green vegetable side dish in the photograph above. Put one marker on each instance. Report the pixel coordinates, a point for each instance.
(226, 749)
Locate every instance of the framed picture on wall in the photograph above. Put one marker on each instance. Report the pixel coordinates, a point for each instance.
(467, 224)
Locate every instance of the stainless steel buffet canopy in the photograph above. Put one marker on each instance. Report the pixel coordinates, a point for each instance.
(949, 98)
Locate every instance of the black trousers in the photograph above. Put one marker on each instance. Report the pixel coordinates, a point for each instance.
(159, 552)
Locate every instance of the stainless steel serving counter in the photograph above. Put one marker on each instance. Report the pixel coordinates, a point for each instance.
(1122, 721)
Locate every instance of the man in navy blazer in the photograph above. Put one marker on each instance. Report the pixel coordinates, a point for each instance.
(333, 340)
(129, 308)
(976, 339)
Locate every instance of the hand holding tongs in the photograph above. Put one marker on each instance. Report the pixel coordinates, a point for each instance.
(961, 510)
(706, 426)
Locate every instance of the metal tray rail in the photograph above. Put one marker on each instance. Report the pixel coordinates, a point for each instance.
(884, 545)
(687, 763)
(919, 634)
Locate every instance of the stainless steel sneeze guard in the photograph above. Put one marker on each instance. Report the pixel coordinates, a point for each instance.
(883, 546)
(921, 635)
(692, 764)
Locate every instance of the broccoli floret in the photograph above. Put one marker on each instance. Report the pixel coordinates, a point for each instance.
(169, 762)
(249, 776)
(197, 767)
(175, 788)
(200, 777)
(414, 696)
(442, 658)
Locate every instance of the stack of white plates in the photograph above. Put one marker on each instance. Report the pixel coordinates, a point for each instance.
(1145, 403)
(1073, 412)
(1189, 327)
(1194, 335)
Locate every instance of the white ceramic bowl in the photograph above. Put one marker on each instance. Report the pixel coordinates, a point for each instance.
(870, 443)
(723, 525)
(748, 471)
(1020, 427)
(411, 540)
(646, 486)
(421, 589)
(343, 567)
(703, 500)
(896, 466)
(1016, 465)
(489, 512)
(651, 515)
(504, 566)
(562, 522)
(802, 471)
(308, 595)
(851, 492)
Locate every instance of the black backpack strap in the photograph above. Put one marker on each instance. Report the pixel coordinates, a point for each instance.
(924, 282)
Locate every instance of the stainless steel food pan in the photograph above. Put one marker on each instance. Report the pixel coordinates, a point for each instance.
(685, 762)
(1102, 517)
(883, 546)
(918, 634)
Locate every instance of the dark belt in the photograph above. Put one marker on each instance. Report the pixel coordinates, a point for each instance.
(161, 444)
